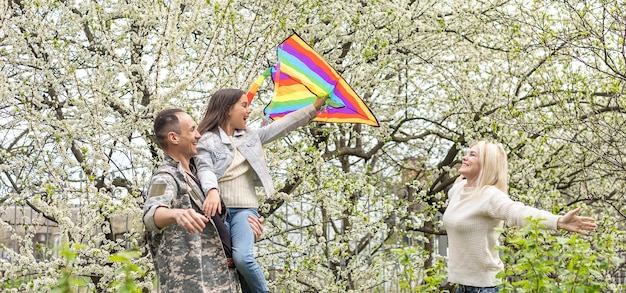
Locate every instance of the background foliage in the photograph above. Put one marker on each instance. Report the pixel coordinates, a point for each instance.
(359, 207)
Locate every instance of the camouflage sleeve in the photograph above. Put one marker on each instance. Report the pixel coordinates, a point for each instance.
(161, 192)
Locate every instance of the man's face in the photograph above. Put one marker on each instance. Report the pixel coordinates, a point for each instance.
(188, 136)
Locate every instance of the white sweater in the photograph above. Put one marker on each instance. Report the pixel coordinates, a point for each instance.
(237, 185)
(470, 222)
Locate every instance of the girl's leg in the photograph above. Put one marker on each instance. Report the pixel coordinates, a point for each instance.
(243, 253)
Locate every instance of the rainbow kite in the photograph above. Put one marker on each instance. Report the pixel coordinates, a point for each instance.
(300, 76)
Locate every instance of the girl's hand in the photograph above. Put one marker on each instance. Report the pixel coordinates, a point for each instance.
(212, 203)
(320, 102)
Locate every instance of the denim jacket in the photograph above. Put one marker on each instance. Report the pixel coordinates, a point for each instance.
(215, 152)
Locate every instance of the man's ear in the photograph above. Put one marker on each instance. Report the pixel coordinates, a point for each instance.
(172, 138)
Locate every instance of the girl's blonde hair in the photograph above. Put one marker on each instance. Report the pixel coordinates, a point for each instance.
(494, 168)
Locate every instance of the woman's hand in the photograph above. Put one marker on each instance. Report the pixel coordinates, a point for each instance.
(573, 223)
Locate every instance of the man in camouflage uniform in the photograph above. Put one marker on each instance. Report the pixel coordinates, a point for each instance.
(186, 245)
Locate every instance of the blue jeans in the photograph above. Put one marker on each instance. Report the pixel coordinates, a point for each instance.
(470, 289)
(252, 278)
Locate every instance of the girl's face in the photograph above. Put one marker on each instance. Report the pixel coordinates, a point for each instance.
(470, 164)
(239, 113)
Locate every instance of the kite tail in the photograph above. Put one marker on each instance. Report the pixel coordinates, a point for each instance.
(256, 84)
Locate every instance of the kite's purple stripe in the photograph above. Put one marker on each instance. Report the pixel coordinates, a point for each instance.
(297, 59)
(281, 111)
(306, 51)
(345, 110)
(291, 63)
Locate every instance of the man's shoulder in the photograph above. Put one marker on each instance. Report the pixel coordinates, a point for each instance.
(168, 165)
(166, 173)
(160, 182)
(166, 168)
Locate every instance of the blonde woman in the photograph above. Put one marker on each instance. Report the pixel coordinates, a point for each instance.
(479, 203)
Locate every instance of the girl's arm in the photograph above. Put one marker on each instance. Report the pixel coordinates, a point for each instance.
(208, 180)
(286, 124)
(291, 121)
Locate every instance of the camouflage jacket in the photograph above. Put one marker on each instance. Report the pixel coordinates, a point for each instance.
(184, 262)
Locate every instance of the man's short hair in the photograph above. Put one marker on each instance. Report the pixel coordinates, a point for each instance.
(165, 122)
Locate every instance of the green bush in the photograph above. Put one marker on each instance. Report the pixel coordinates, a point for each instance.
(538, 260)
(124, 282)
(69, 281)
(412, 278)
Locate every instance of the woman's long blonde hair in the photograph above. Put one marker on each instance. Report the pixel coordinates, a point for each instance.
(494, 167)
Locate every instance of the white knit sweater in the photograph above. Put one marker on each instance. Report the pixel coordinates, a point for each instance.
(237, 185)
(470, 222)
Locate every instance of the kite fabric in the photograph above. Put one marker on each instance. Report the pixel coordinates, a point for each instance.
(300, 76)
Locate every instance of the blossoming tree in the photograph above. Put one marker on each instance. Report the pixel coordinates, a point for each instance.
(359, 206)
